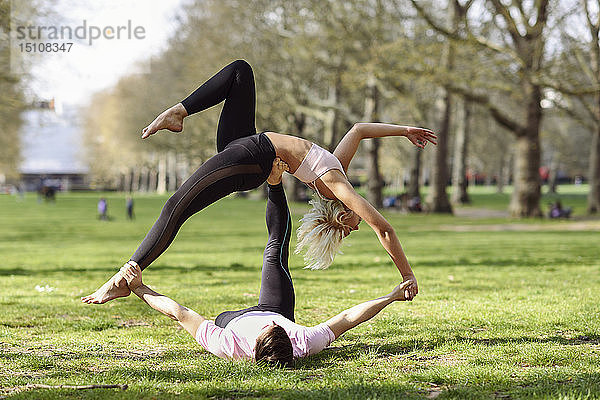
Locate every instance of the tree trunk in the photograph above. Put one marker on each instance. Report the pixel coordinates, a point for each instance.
(171, 171)
(335, 117)
(594, 175)
(153, 180)
(553, 176)
(415, 173)
(144, 175)
(437, 198)
(183, 167)
(120, 185)
(593, 199)
(135, 180)
(525, 201)
(459, 179)
(161, 187)
(127, 181)
(295, 187)
(375, 181)
(504, 172)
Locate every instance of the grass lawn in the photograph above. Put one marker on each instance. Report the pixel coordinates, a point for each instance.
(507, 309)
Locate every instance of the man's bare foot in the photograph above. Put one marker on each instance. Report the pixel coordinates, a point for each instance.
(114, 288)
(171, 119)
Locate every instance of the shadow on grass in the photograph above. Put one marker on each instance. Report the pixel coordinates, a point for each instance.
(417, 345)
(581, 386)
(311, 379)
(111, 269)
(236, 266)
(498, 262)
(592, 339)
(578, 386)
(331, 356)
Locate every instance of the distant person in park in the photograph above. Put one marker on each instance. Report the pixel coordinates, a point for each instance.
(266, 332)
(243, 162)
(414, 204)
(129, 208)
(557, 210)
(48, 193)
(102, 209)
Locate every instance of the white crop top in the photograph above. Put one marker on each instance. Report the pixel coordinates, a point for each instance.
(316, 163)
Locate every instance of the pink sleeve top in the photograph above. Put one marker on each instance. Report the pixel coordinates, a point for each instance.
(238, 338)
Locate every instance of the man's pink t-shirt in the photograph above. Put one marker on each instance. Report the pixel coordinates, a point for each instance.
(238, 338)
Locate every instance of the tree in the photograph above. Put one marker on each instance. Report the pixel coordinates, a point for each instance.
(13, 101)
(459, 177)
(438, 197)
(520, 27)
(587, 93)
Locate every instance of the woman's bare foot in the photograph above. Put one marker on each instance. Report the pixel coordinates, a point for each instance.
(171, 119)
(114, 288)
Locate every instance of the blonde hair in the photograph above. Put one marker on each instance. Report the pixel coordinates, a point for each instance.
(321, 232)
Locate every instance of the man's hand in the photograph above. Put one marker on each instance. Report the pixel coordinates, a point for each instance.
(279, 167)
(401, 292)
(412, 289)
(132, 274)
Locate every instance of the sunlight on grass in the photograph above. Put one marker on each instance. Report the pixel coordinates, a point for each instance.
(502, 312)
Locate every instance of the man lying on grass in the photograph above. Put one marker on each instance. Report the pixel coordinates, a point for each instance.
(265, 332)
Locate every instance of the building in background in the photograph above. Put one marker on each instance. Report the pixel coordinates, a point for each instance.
(52, 150)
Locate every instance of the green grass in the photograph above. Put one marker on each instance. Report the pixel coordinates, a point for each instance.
(507, 309)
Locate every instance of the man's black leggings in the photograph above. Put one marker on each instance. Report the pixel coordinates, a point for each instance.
(243, 161)
(276, 288)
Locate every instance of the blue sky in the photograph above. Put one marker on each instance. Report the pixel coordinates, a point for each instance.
(51, 141)
(72, 77)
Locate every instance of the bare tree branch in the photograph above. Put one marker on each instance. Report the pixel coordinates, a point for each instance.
(592, 112)
(484, 101)
(584, 65)
(511, 25)
(471, 38)
(575, 116)
(588, 16)
(544, 82)
(542, 17)
(467, 5)
(518, 4)
(415, 110)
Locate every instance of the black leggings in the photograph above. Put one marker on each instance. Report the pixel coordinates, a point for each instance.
(276, 288)
(243, 162)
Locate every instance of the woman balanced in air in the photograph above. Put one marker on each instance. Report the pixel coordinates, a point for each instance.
(266, 332)
(244, 162)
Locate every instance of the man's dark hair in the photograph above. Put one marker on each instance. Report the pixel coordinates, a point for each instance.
(274, 347)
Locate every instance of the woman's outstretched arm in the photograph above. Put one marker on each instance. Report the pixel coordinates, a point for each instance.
(347, 147)
(344, 192)
(190, 320)
(360, 313)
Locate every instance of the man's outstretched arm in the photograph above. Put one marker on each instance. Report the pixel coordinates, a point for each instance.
(360, 313)
(190, 320)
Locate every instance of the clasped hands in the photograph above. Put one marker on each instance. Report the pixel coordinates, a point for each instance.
(132, 273)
